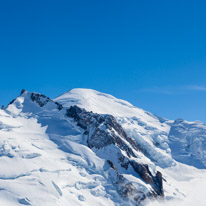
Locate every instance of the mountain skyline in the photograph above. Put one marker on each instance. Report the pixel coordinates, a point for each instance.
(145, 95)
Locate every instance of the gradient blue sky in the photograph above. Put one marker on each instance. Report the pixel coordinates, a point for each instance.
(151, 53)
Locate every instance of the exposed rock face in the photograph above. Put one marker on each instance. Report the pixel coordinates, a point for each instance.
(103, 130)
(126, 189)
(159, 183)
(42, 100)
(12, 101)
(112, 165)
(22, 91)
(155, 181)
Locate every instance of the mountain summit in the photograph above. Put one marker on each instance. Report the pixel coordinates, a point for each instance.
(89, 148)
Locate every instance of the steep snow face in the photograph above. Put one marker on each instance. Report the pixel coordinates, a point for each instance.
(187, 141)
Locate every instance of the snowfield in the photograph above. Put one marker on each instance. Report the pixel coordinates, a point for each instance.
(55, 154)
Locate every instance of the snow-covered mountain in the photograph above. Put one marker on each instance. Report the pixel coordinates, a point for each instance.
(90, 148)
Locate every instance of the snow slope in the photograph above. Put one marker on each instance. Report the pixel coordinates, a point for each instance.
(46, 160)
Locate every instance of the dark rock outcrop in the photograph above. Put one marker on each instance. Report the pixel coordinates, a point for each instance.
(22, 91)
(102, 130)
(126, 189)
(12, 101)
(155, 181)
(42, 100)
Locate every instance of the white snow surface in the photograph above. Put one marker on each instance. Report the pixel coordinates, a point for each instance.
(45, 160)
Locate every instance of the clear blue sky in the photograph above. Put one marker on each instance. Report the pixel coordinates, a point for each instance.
(151, 53)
